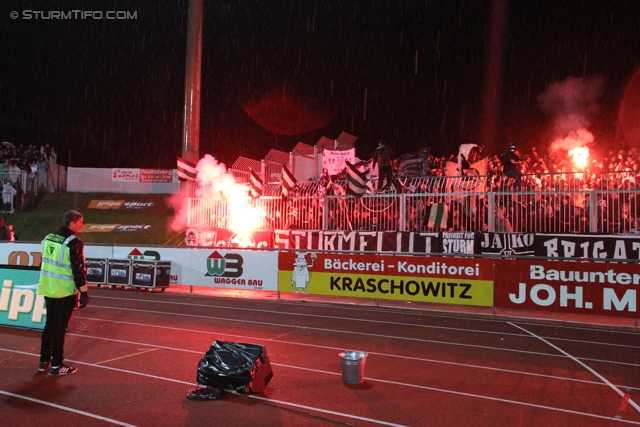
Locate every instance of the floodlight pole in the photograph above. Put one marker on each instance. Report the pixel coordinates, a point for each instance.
(493, 73)
(191, 135)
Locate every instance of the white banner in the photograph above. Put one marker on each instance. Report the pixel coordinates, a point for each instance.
(143, 175)
(122, 180)
(237, 269)
(334, 161)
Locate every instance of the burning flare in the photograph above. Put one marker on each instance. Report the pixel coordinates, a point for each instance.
(216, 184)
(575, 145)
(580, 156)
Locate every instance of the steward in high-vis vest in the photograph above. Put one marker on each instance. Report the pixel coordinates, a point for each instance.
(63, 276)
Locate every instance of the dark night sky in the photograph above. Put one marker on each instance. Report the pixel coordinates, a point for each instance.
(111, 92)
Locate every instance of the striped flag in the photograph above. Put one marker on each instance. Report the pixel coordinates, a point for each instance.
(288, 181)
(356, 181)
(186, 170)
(338, 190)
(438, 216)
(255, 184)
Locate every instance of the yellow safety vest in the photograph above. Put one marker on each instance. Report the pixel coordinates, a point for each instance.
(56, 275)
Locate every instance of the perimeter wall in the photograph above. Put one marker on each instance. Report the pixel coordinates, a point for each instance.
(603, 286)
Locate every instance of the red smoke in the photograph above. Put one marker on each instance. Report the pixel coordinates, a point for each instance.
(282, 114)
(571, 103)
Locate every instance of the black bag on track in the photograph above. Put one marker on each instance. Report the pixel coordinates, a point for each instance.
(244, 368)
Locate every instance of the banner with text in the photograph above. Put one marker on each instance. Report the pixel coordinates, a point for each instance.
(143, 175)
(121, 181)
(445, 242)
(367, 241)
(238, 269)
(334, 161)
(461, 281)
(221, 237)
(119, 204)
(604, 246)
(568, 287)
(19, 304)
(506, 244)
(108, 228)
(241, 269)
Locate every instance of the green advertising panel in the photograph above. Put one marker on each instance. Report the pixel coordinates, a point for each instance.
(19, 304)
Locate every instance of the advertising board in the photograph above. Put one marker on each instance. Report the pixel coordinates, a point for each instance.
(238, 269)
(464, 281)
(568, 287)
(19, 304)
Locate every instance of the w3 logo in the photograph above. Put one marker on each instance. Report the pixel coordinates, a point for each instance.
(229, 265)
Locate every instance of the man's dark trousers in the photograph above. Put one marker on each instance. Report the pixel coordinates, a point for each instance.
(59, 311)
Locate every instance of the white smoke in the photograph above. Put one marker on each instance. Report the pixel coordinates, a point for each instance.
(178, 202)
(215, 182)
(576, 138)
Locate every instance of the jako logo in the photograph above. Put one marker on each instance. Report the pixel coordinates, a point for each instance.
(229, 265)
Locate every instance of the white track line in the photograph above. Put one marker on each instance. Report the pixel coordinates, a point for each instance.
(417, 359)
(605, 328)
(343, 331)
(272, 401)
(603, 379)
(66, 408)
(372, 320)
(309, 408)
(411, 312)
(269, 340)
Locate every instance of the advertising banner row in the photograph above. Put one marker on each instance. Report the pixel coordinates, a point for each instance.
(19, 262)
(603, 246)
(577, 287)
(600, 246)
(123, 180)
(605, 288)
(206, 267)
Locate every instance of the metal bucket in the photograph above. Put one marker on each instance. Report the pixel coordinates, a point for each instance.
(352, 363)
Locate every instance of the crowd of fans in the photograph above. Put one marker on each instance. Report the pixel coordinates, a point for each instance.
(15, 163)
(555, 196)
(25, 158)
(560, 163)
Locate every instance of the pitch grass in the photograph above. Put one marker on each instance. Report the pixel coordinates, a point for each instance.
(43, 214)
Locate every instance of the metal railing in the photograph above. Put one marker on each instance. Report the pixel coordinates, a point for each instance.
(558, 203)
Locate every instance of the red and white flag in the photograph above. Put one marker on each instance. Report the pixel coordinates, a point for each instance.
(288, 181)
(186, 170)
(255, 184)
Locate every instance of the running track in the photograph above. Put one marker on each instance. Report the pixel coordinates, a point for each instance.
(137, 354)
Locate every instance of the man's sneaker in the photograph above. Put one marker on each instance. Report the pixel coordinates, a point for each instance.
(44, 366)
(62, 370)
